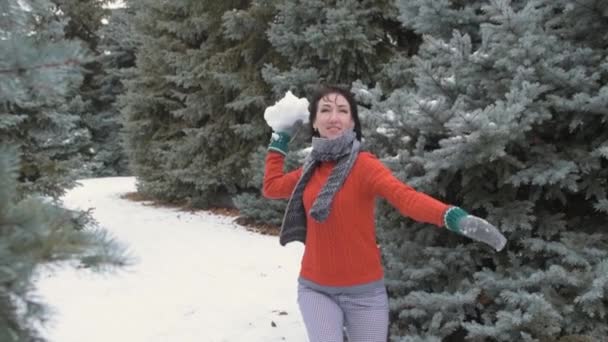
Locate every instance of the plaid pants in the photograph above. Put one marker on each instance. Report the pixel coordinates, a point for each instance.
(362, 315)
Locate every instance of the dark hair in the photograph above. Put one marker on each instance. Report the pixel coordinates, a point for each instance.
(323, 92)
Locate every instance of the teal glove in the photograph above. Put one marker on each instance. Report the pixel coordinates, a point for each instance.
(284, 117)
(279, 142)
(473, 227)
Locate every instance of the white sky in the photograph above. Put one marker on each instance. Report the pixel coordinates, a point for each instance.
(196, 277)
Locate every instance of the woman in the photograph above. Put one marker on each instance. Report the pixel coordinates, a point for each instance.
(331, 209)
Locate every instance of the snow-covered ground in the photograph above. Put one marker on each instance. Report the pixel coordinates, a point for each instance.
(195, 277)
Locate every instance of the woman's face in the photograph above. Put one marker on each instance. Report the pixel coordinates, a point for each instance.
(333, 116)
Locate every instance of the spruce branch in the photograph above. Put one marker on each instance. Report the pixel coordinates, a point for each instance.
(22, 70)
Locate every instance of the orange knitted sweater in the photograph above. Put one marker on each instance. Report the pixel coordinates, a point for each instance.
(342, 251)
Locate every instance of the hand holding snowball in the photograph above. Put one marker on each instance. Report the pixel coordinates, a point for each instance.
(283, 115)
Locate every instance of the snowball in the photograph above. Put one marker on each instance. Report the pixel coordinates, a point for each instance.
(286, 112)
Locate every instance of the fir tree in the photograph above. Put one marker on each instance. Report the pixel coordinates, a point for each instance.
(193, 108)
(37, 115)
(95, 102)
(507, 118)
(227, 98)
(116, 57)
(35, 229)
(324, 42)
(334, 42)
(152, 132)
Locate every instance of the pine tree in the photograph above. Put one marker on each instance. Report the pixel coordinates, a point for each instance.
(95, 102)
(35, 229)
(333, 42)
(36, 113)
(152, 131)
(228, 96)
(116, 57)
(507, 118)
(324, 42)
(193, 108)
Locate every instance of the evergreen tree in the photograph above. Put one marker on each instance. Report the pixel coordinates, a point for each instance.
(324, 42)
(36, 230)
(36, 113)
(335, 42)
(151, 129)
(116, 57)
(193, 106)
(228, 96)
(507, 118)
(95, 103)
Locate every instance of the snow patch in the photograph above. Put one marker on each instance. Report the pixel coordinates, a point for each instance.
(196, 277)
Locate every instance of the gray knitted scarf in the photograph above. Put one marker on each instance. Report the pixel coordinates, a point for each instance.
(344, 150)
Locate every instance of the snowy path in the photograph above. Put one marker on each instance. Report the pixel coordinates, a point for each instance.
(196, 277)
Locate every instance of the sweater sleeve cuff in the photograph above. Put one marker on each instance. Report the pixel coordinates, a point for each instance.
(452, 217)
